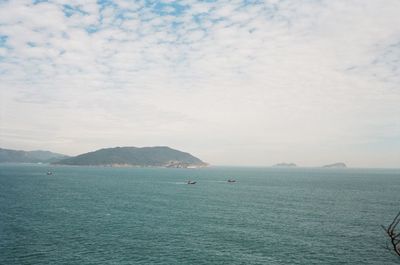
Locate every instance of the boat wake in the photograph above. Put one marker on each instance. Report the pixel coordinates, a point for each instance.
(178, 183)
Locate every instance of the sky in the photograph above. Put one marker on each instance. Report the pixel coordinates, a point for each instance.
(244, 82)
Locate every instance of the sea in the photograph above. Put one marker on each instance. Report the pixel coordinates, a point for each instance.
(106, 215)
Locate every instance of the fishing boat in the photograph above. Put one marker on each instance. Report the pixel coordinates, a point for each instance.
(48, 173)
(231, 180)
(191, 182)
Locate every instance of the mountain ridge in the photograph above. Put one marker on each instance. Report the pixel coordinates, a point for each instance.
(36, 156)
(155, 156)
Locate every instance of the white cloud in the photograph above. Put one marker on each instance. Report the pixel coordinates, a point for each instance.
(304, 81)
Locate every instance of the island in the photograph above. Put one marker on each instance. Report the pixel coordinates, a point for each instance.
(20, 156)
(158, 156)
(285, 165)
(336, 165)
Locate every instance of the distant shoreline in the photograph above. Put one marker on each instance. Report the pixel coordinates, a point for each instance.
(207, 166)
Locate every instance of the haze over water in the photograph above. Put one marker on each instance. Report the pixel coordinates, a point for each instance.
(94, 215)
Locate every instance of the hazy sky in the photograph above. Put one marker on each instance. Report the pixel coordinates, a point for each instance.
(232, 82)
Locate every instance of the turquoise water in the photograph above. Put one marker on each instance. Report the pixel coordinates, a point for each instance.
(89, 215)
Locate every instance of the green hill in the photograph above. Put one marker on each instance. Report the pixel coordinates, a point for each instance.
(159, 156)
(19, 156)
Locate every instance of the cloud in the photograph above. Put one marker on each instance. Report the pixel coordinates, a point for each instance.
(235, 82)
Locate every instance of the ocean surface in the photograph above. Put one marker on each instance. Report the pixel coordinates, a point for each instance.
(100, 215)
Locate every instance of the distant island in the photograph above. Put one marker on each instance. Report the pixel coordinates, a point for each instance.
(336, 165)
(19, 156)
(159, 156)
(285, 165)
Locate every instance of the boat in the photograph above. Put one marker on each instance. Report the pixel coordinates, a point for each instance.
(48, 173)
(231, 180)
(191, 182)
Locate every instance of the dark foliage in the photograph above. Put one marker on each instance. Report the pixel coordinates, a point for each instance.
(394, 234)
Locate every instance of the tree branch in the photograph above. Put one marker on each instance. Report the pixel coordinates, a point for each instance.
(394, 234)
